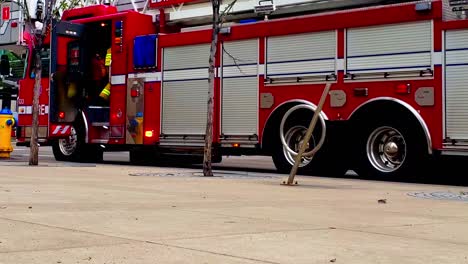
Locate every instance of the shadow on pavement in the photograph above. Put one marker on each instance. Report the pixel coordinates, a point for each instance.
(445, 171)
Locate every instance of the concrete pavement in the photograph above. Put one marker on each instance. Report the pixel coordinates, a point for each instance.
(87, 214)
(257, 163)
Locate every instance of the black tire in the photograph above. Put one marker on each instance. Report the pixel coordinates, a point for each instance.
(379, 159)
(322, 164)
(141, 156)
(82, 152)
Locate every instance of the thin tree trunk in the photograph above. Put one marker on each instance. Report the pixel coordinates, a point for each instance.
(34, 148)
(207, 171)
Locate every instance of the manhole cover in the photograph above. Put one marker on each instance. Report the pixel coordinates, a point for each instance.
(166, 174)
(217, 174)
(235, 175)
(460, 196)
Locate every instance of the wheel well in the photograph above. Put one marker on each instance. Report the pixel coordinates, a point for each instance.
(389, 109)
(271, 130)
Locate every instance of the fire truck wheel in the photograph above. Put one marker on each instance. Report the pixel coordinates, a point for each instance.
(319, 165)
(65, 149)
(142, 157)
(391, 149)
(74, 148)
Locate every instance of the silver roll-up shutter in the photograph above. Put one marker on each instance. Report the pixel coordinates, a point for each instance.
(389, 48)
(240, 88)
(310, 54)
(456, 84)
(184, 107)
(184, 90)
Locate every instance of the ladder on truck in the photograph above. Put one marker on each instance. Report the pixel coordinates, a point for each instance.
(191, 13)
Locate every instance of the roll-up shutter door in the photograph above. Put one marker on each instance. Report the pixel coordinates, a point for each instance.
(456, 84)
(389, 48)
(310, 54)
(185, 86)
(240, 88)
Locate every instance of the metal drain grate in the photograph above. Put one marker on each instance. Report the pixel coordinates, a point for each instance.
(217, 174)
(236, 175)
(461, 196)
(167, 174)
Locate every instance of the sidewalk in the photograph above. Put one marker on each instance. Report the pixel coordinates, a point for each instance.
(123, 214)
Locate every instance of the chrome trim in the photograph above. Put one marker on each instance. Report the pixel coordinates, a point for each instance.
(241, 146)
(118, 79)
(241, 142)
(408, 107)
(450, 152)
(102, 141)
(86, 127)
(154, 75)
(100, 124)
(444, 89)
(181, 144)
(299, 101)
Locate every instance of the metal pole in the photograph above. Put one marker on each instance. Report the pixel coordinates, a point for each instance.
(308, 134)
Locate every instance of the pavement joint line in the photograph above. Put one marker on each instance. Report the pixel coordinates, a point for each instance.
(250, 233)
(322, 229)
(461, 219)
(66, 248)
(212, 252)
(69, 229)
(224, 235)
(134, 240)
(240, 217)
(400, 236)
(413, 225)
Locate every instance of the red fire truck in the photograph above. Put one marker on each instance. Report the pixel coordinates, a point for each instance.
(397, 97)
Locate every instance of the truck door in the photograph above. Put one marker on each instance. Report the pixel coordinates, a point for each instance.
(66, 69)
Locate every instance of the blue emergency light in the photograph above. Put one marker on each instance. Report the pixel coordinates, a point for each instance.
(145, 52)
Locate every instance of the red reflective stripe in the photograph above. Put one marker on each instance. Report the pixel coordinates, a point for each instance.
(56, 130)
(61, 129)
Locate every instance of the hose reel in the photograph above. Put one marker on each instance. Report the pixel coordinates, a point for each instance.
(322, 136)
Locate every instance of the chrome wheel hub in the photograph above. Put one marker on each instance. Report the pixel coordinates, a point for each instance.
(294, 138)
(391, 149)
(386, 149)
(68, 145)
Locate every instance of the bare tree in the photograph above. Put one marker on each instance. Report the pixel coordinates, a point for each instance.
(217, 20)
(39, 35)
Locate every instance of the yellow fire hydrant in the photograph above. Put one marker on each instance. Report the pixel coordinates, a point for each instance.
(7, 121)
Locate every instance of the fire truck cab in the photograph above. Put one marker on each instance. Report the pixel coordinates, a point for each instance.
(79, 74)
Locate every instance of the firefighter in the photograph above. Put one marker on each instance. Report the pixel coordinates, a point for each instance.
(98, 74)
(105, 93)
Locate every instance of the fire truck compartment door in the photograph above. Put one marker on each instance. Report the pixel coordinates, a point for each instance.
(456, 84)
(240, 88)
(184, 90)
(65, 35)
(389, 48)
(301, 55)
